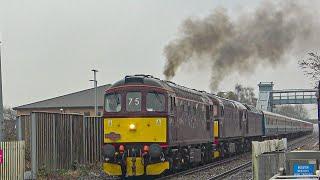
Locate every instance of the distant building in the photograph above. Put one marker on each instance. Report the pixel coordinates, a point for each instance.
(81, 102)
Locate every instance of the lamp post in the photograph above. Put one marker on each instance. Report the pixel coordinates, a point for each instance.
(95, 91)
(1, 102)
(318, 100)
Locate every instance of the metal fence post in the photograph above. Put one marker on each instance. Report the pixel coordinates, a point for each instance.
(54, 142)
(84, 134)
(71, 141)
(19, 128)
(34, 168)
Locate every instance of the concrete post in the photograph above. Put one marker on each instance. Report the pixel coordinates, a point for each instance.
(34, 163)
(266, 157)
(95, 91)
(19, 128)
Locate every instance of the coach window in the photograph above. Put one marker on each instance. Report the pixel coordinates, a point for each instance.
(133, 101)
(113, 102)
(189, 108)
(215, 110)
(171, 104)
(155, 102)
(208, 112)
(194, 107)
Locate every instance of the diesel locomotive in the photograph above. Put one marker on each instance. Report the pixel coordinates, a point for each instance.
(152, 126)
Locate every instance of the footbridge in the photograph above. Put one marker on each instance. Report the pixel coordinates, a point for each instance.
(268, 97)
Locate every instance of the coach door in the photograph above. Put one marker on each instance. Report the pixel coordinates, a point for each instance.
(243, 122)
(246, 122)
(173, 121)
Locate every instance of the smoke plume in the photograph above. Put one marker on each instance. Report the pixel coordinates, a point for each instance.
(264, 36)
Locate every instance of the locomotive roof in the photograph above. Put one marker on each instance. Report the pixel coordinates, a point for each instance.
(204, 96)
(152, 81)
(253, 109)
(140, 79)
(184, 91)
(181, 90)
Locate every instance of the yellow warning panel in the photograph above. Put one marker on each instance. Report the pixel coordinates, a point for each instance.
(112, 169)
(158, 168)
(124, 130)
(135, 166)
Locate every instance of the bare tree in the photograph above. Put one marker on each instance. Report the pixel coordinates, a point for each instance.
(9, 124)
(294, 111)
(228, 95)
(242, 94)
(311, 66)
(246, 94)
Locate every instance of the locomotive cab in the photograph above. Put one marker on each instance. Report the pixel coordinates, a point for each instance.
(135, 128)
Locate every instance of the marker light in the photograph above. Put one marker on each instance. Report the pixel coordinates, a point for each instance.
(132, 127)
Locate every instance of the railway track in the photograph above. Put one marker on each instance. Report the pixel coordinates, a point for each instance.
(294, 144)
(198, 169)
(231, 171)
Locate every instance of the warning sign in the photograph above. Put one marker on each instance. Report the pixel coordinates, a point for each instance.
(303, 169)
(1, 156)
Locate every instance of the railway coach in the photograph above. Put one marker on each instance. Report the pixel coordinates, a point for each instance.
(151, 126)
(277, 125)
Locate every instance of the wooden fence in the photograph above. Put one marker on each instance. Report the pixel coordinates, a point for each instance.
(59, 141)
(92, 139)
(12, 165)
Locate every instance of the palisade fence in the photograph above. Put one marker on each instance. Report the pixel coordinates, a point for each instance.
(60, 141)
(12, 165)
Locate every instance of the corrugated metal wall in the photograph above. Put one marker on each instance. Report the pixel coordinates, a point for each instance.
(12, 166)
(62, 140)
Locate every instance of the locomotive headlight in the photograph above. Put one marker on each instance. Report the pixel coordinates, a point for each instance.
(132, 127)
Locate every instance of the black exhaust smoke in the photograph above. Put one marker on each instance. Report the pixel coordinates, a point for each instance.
(262, 37)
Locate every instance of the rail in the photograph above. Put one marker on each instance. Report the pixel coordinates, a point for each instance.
(231, 171)
(199, 169)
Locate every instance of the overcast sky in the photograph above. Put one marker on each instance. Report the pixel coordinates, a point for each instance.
(49, 47)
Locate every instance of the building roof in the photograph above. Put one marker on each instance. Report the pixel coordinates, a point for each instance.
(79, 99)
